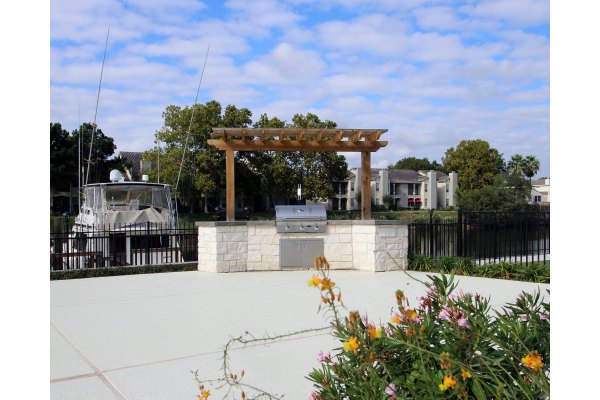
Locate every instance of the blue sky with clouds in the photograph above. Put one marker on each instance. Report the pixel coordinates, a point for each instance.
(431, 72)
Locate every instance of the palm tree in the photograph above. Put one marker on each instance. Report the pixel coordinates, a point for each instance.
(516, 164)
(531, 166)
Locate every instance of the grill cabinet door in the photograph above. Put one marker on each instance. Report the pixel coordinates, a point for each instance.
(299, 253)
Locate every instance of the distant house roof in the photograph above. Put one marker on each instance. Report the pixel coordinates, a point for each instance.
(539, 182)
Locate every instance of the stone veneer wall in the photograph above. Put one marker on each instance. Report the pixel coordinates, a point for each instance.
(254, 245)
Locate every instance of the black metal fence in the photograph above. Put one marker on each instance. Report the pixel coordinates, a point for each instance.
(122, 245)
(521, 237)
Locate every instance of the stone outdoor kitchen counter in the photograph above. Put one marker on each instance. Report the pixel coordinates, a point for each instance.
(240, 246)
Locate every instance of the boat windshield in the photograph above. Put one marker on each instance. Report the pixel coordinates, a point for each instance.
(129, 197)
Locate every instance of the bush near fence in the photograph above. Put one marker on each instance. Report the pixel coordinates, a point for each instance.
(537, 272)
(115, 271)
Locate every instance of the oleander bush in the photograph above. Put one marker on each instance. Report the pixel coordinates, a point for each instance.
(450, 345)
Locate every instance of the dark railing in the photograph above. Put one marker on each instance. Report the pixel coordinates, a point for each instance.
(122, 245)
(520, 237)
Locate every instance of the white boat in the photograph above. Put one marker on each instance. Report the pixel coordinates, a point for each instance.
(123, 223)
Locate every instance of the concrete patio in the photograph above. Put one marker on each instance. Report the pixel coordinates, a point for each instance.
(142, 336)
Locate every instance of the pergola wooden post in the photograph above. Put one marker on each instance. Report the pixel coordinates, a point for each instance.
(230, 183)
(365, 182)
(364, 141)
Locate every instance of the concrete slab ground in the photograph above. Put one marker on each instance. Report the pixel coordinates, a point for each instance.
(142, 336)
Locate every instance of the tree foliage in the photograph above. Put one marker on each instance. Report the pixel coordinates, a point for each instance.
(475, 162)
(64, 156)
(508, 192)
(272, 173)
(417, 164)
(196, 169)
(528, 166)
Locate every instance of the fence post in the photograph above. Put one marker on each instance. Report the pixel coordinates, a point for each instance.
(459, 234)
(431, 247)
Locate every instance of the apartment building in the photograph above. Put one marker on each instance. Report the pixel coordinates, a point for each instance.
(407, 188)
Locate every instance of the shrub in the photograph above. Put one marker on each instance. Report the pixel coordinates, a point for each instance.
(449, 346)
(115, 271)
(532, 272)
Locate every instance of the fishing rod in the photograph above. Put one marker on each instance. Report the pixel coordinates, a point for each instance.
(191, 120)
(87, 174)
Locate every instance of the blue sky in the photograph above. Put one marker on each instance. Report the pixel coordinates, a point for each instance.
(431, 72)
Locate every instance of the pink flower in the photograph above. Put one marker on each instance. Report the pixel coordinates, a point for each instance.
(523, 317)
(391, 390)
(322, 357)
(464, 323)
(444, 314)
(314, 396)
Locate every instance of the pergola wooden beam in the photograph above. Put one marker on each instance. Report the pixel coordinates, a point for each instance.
(296, 145)
(294, 139)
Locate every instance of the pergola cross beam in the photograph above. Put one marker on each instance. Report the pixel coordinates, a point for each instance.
(364, 141)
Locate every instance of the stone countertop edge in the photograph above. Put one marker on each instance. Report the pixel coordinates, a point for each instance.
(329, 222)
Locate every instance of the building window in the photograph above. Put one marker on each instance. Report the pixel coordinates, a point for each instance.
(447, 187)
(425, 202)
(447, 202)
(352, 202)
(377, 186)
(425, 190)
(377, 200)
(352, 186)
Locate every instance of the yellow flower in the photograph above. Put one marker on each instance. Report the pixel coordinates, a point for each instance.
(314, 281)
(448, 383)
(465, 374)
(351, 344)
(412, 315)
(326, 284)
(395, 318)
(204, 394)
(533, 361)
(374, 332)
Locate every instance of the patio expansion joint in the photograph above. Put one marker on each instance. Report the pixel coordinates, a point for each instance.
(97, 372)
(238, 347)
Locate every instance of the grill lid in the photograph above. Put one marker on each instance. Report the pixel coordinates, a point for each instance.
(312, 212)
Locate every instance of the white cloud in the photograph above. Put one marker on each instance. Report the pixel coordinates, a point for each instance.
(515, 12)
(431, 72)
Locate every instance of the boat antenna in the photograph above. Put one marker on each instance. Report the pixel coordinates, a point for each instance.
(79, 162)
(191, 120)
(87, 174)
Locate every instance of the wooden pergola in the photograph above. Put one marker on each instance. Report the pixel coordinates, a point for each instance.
(364, 141)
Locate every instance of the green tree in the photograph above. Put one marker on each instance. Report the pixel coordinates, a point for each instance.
(508, 192)
(103, 147)
(417, 164)
(63, 166)
(515, 165)
(475, 162)
(64, 156)
(531, 166)
(185, 133)
(388, 201)
(319, 169)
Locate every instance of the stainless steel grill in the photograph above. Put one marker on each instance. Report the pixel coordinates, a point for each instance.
(301, 219)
